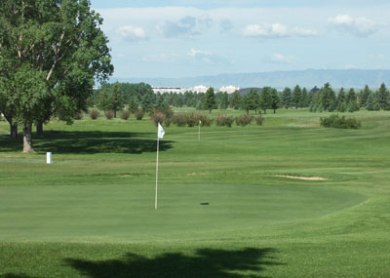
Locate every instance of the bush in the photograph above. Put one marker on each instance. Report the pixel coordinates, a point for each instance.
(109, 115)
(206, 121)
(125, 115)
(94, 114)
(222, 120)
(180, 119)
(192, 119)
(244, 120)
(139, 115)
(158, 117)
(259, 120)
(336, 121)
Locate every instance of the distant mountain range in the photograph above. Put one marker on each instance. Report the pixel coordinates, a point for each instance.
(349, 78)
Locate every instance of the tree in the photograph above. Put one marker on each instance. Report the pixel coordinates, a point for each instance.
(352, 102)
(341, 101)
(50, 54)
(383, 96)
(275, 100)
(251, 101)
(297, 96)
(286, 97)
(118, 100)
(363, 96)
(266, 98)
(327, 98)
(235, 100)
(111, 98)
(210, 102)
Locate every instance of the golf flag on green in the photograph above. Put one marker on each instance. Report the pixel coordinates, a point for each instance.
(160, 132)
(160, 135)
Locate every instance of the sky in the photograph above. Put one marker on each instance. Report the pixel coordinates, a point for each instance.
(177, 38)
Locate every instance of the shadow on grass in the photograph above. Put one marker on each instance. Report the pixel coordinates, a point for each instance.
(88, 142)
(249, 262)
(11, 275)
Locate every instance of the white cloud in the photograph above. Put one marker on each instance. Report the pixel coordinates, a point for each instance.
(201, 55)
(280, 59)
(132, 33)
(189, 25)
(358, 26)
(276, 30)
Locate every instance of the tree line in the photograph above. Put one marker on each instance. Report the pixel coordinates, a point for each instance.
(140, 96)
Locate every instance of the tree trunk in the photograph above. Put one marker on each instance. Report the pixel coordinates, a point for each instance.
(27, 139)
(40, 129)
(13, 127)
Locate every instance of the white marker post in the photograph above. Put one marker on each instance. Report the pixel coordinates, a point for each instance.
(160, 135)
(48, 158)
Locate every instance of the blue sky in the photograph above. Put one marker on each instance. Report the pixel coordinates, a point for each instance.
(177, 38)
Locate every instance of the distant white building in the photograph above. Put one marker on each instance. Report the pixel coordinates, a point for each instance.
(196, 89)
(167, 90)
(229, 89)
(199, 89)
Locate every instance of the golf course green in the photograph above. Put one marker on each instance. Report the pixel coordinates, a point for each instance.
(285, 199)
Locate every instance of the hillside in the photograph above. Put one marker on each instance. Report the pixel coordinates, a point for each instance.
(355, 78)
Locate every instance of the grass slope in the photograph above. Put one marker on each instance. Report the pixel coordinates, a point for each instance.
(226, 208)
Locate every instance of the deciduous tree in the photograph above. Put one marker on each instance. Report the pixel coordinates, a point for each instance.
(51, 51)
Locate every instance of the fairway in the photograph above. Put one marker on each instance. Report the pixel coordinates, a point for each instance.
(286, 199)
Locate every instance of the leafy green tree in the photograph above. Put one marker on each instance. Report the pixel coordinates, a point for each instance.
(341, 101)
(209, 101)
(352, 102)
(111, 99)
(383, 96)
(327, 98)
(363, 96)
(133, 104)
(251, 101)
(223, 100)
(305, 98)
(286, 99)
(372, 102)
(148, 100)
(50, 54)
(297, 96)
(235, 100)
(266, 98)
(275, 100)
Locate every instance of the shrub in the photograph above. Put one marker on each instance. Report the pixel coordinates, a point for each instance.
(180, 119)
(259, 120)
(222, 120)
(336, 121)
(109, 115)
(125, 115)
(139, 115)
(94, 114)
(206, 121)
(244, 120)
(192, 119)
(158, 117)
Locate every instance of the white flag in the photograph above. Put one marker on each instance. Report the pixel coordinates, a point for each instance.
(160, 132)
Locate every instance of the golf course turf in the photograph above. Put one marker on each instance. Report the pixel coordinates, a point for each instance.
(285, 199)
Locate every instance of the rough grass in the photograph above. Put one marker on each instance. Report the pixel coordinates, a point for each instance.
(226, 208)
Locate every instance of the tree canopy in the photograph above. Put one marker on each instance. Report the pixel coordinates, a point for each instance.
(51, 52)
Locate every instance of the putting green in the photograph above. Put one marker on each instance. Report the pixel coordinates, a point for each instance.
(126, 213)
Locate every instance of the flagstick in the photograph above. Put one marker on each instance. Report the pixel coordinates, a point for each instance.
(158, 147)
(200, 122)
(199, 133)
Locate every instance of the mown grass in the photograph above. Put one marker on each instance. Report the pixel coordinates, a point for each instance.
(226, 207)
